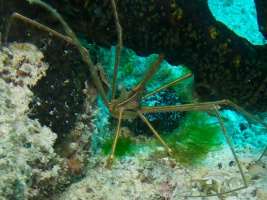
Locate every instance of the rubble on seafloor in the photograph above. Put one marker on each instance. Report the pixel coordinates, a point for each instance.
(28, 163)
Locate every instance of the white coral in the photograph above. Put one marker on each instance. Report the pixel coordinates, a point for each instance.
(24, 143)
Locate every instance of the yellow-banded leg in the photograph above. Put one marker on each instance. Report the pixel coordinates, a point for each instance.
(111, 157)
(154, 132)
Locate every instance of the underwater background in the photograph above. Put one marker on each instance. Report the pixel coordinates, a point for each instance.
(56, 133)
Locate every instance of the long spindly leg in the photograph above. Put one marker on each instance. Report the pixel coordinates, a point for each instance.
(84, 53)
(136, 92)
(217, 114)
(168, 85)
(263, 153)
(40, 26)
(118, 50)
(242, 111)
(232, 150)
(207, 106)
(210, 106)
(169, 151)
(111, 157)
(152, 70)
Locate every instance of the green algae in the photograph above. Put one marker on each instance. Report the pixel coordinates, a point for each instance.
(190, 143)
(194, 138)
(124, 147)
